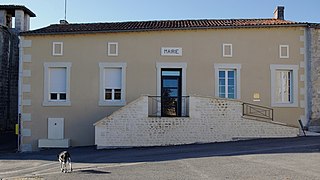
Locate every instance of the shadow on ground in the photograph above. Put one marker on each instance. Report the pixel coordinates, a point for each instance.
(149, 154)
(8, 142)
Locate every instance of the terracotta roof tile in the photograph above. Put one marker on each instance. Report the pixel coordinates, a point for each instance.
(159, 25)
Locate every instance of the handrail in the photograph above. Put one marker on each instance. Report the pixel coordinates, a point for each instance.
(257, 111)
(168, 107)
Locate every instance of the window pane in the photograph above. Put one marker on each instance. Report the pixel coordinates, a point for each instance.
(283, 86)
(222, 95)
(173, 93)
(231, 74)
(53, 96)
(63, 96)
(170, 83)
(231, 89)
(117, 94)
(108, 94)
(222, 82)
(222, 89)
(170, 73)
(231, 82)
(222, 74)
(231, 95)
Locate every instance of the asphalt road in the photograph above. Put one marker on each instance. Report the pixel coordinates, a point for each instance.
(288, 158)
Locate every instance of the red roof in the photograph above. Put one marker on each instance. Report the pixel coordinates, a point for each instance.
(160, 25)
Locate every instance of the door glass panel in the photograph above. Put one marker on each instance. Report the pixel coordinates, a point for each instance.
(170, 83)
(171, 93)
(170, 73)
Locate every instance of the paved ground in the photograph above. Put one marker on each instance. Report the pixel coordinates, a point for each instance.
(288, 158)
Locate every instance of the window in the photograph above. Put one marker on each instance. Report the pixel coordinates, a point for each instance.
(227, 50)
(112, 49)
(284, 85)
(227, 84)
(57, 84)
(112, 77)
(227, 80)
(57, 48)
(112, 84)
(284, 51)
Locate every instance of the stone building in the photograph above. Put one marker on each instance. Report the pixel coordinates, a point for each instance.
(9, 61)
(314, 69)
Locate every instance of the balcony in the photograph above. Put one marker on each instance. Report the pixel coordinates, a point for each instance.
(168, 106)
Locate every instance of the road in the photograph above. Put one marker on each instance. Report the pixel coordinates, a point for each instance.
(287, 158)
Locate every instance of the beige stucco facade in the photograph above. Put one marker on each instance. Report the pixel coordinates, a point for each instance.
(254, 51)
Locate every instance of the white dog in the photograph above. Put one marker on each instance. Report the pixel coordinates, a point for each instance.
(64, 159)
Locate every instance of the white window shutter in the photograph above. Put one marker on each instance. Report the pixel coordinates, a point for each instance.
(113, 78)
(58, 78)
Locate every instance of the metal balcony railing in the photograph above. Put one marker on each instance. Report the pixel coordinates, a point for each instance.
(168, 106)
(257, 111)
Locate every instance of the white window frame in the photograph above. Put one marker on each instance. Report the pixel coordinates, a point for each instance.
(224, 46)
(237, 68)
(102, 101)
(109, 48)
(54, 48)
(227, 83)
(294, 93)
(46, 97)
(280, 51)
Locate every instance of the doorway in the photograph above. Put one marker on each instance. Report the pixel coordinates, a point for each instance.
(171, 92)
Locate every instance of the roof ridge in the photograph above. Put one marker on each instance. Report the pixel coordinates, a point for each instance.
(154, 25)
(171, 20)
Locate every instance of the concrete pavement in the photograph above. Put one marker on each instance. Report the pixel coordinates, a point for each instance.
(286, 158)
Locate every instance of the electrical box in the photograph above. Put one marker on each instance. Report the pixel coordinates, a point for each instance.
(55, 128)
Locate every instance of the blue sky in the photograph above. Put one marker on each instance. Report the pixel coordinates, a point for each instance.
(85, 11)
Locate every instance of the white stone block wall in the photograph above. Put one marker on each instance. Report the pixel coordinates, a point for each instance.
(211, 120)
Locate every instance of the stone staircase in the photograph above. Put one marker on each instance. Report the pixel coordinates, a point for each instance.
(210, 120)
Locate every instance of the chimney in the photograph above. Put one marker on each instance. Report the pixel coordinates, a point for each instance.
(279, 13)
(63, 21)
(20, 13)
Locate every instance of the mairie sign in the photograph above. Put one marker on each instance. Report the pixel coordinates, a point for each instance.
(171, 51)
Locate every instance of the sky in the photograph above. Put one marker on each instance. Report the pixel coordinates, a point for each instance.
(90, 11)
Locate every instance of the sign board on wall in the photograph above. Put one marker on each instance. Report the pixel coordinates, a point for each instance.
(171, 51)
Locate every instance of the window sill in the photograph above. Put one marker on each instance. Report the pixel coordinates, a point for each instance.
(56, 103)
(112, 103)
(294, 104)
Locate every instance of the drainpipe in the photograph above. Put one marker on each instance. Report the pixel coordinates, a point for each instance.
(20, 92)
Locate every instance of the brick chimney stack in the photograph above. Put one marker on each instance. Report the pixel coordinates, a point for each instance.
(279, 13)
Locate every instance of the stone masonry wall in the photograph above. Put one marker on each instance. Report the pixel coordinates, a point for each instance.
(211, 120)
(315, 77)
(9, 67)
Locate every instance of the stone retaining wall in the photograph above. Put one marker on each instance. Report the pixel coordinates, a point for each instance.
(211, 120)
